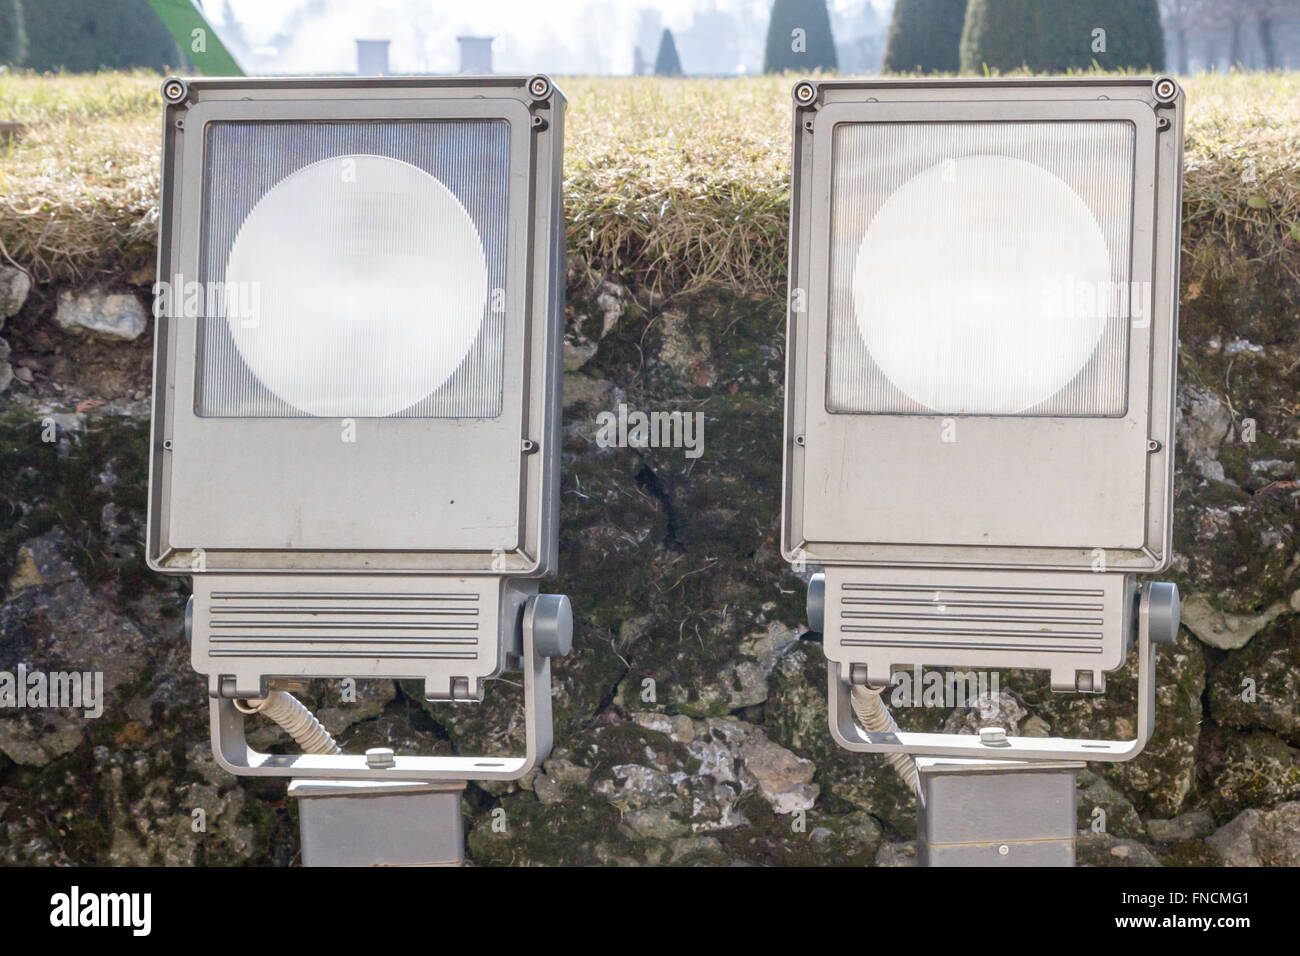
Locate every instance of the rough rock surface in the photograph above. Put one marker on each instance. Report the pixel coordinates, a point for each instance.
(113, 316)
(6, 373)
(690, 719)
(1234, 842)
(14, 286)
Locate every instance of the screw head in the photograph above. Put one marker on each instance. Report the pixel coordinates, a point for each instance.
(804, 93)
(380, 758)
(175, 90)
(1165, 89)
(539, 87)
(1003, 850)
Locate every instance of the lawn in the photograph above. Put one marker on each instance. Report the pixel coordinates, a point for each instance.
(668, 181)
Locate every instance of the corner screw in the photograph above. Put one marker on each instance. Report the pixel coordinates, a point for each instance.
(1165, 89)
(539, 87)
(804, 93)
(175, 90)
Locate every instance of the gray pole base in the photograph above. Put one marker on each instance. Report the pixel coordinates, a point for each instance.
(379, 823)
(996, 812)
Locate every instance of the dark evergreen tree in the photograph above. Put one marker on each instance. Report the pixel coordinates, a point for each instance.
(799, 38)
(1054, 36)
(13, 35)
(667, 63)
(81, 37)
(925, 36)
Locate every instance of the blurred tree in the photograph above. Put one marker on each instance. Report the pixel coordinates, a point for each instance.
(925, 36)
(80, 37)
(13, 34)
(799, 37)
(667, 62)
(713, 41)
(1179, 17)
(1231, 17)
(1054, 36)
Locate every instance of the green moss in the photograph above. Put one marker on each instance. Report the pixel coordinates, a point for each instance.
(60, 483)
(1255, 770)
(1191, 853)
(563, 834)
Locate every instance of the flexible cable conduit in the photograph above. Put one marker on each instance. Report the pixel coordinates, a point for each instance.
(298, 722)
(875, 717)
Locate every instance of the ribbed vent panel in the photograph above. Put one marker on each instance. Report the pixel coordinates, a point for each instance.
(443, 626)
(1066, 620)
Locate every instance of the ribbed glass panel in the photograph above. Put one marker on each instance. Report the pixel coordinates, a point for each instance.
(982, 268)
(359, 269)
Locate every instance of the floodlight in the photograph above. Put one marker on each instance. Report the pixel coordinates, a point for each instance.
(979, 389)
(355, 440)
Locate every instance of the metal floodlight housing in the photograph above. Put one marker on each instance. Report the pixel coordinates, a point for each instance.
(390, 534)
(974, 507)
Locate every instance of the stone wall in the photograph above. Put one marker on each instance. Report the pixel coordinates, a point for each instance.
(690, 718)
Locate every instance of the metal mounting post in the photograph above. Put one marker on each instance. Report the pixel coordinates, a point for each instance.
(379, 823)
(996, 812)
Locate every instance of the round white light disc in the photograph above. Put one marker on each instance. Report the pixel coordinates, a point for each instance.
(369, 279)
(981, 286)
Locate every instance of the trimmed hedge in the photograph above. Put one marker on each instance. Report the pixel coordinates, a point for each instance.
(925, 36)
(81, 37)
(818, 51)
(1055, 36)
(13, 36)
(667, 62)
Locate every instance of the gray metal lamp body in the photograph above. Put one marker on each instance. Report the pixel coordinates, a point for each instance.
(985, 538)
(414, 549)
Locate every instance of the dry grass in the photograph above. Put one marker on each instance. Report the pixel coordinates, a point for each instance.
(79, 192)
(667, 182)
(1242, 161)
(671, 181)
